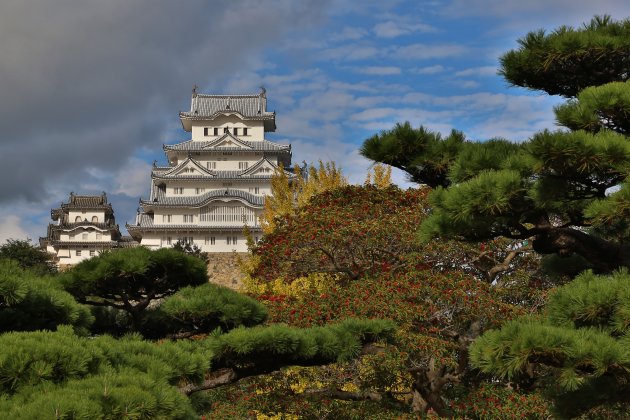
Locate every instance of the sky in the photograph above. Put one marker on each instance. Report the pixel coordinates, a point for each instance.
(90, 90)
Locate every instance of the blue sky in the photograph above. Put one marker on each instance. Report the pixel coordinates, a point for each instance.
(91, 90)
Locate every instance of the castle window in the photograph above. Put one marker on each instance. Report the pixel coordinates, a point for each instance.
(200, 190)
(226, 130)
(244, 131)
(211, 165)
(235, 131)
(243, 165)
(178, 190)
(78, 252)
(210, 240)
(188, 218)
(169, 240)
(254, 190)
(205, 131)
(92, 253)
(94, 219)
(216, 131)
(77, 219)
(167, 218)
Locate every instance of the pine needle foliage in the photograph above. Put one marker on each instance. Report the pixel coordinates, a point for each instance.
(130, 279)
(29, 302)
(582, 340)
(559, 189)
(47, 374)
(207, 307)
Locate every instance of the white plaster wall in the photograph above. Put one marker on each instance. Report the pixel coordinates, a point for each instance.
(72, 215)
(160, 240)
(69, 256)
(91, 235)
(255, 129)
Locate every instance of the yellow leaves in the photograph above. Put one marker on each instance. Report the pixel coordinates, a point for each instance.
(288, 195)
(298, 289)
(380, 176)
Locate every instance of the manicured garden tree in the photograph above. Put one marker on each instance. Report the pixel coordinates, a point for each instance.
(579, 349)
(47, 374)
(28, 256)
(130, 279)
(346, 231)
(556, 189)
(29, 302)
(352, 252)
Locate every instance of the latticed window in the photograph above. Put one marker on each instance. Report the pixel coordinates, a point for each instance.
(188, 218)
(227, 214)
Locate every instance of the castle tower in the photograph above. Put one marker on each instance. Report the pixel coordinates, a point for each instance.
(85, 226)
(216, 182)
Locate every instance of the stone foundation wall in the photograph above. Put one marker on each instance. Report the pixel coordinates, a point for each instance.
(223, 268)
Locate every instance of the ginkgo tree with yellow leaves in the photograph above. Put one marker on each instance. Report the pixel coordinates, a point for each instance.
(289, 194)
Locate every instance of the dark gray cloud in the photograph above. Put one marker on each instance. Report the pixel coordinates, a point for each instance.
(83, 84)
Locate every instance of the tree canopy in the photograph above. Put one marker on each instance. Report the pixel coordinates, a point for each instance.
(567, 191)
(131, 278)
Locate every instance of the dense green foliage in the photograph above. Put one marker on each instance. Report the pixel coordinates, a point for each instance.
(129, 279)
(29, 302)
(60, 375)
(28, 256)
(567, 192)
(202, 309)
(568, 60)
(582, 341)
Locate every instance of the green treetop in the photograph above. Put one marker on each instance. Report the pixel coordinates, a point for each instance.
(567, 191)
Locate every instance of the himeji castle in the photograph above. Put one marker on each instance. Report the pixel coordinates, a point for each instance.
(84, 227)
(216, 182)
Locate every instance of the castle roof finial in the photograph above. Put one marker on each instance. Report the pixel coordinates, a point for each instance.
(194, 91)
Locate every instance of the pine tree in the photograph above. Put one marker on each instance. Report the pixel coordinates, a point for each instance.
(567, 192)
(578, 349)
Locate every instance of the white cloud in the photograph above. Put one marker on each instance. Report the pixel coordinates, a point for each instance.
(438, 68)
(10, 228)
(393, 29)
(349, 34)
(133, 179)
(351, 53)
(379, 70)
(420, 51)
(478, 71)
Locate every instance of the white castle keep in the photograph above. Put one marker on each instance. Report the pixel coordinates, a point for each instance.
(216, 182)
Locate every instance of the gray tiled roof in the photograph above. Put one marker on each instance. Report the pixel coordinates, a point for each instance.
(206, 146)
(83, 202)
(249, 106)
(203, 199)
(162, 172)
(70, 244)
(217, 175)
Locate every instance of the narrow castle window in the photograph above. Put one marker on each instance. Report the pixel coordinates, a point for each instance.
(216, 131)
(236, 131)
(205, 131)
(94, 219)
(244, 131)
